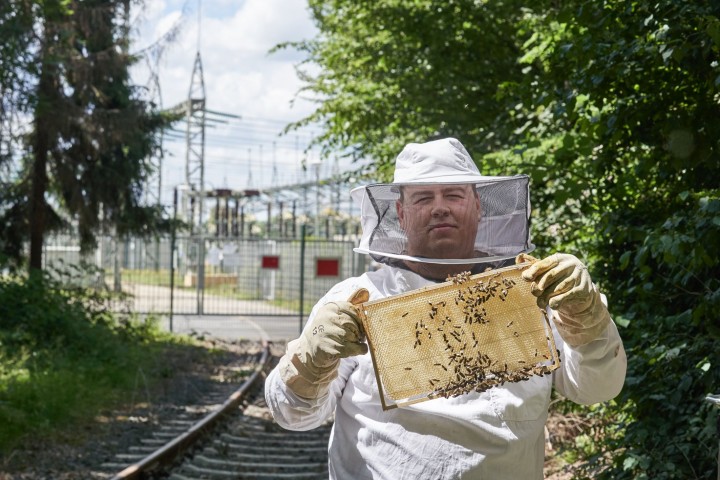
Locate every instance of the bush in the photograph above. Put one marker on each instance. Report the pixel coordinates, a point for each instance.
(64, 355)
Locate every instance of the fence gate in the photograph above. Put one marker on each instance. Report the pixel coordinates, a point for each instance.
(218, 276)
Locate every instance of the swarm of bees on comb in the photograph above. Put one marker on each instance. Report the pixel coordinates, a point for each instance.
(473, 370)
(468, 334)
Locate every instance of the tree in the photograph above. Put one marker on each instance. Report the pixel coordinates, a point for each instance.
(394, 71)
(634, 120)
(16, 30)
(92, 134)
(16, 67)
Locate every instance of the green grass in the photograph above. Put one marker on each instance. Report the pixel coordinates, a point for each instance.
(39, 400)
(64, 358)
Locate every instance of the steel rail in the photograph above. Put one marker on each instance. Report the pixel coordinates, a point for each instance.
(170, 451)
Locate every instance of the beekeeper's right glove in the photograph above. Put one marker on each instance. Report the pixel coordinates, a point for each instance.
(562, 282)
(310, 362)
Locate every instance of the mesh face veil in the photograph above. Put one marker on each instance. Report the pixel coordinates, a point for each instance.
(433, 168)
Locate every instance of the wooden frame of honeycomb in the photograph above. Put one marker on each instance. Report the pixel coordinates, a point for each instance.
(470, 333)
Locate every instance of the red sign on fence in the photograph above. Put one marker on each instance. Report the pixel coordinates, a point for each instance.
(271, 261)
(327, 267)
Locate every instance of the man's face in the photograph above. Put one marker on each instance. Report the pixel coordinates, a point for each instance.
(440, 221)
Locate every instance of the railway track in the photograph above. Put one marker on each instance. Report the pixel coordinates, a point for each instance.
(227, 435)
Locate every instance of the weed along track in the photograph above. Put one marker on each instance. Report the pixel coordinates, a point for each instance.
(226, 435)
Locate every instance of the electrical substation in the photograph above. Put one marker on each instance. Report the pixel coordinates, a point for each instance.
(239, 250)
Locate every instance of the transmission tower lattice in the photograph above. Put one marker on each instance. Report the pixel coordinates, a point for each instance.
(195, 138)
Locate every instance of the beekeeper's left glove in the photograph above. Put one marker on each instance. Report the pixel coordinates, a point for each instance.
(563, 282)
(310, 362)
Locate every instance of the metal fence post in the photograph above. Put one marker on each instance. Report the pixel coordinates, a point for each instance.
(302, 276)
(172, 256)
(117, 280)
(201, 275)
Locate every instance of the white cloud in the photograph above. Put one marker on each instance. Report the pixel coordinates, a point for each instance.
(236, 44)
(240, 77)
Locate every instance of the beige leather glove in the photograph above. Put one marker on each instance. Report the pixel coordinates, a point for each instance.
(563, 282)
(310, 362)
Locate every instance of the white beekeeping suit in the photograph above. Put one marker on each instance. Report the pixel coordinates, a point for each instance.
(496, 434)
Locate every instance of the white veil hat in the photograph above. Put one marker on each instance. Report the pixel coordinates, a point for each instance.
(504, 225)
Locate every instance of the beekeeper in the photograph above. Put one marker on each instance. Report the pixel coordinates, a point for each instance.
(440, 217)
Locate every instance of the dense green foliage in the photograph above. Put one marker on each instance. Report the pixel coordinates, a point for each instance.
(76, 140)
(64, 356)
(613, 108)
(396, 71)
(638, 85)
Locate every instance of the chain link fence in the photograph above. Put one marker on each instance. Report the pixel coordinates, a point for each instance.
(208, 275)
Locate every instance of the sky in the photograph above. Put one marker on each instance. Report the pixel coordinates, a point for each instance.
(241, 79)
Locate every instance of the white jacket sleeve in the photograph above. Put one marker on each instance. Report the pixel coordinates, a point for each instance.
(594, 372)
(296, 413)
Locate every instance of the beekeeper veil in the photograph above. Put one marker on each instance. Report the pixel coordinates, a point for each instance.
(503, 229)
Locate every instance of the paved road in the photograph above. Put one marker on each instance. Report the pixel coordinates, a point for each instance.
(223, 317)
(155, 298)
(235, 327)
